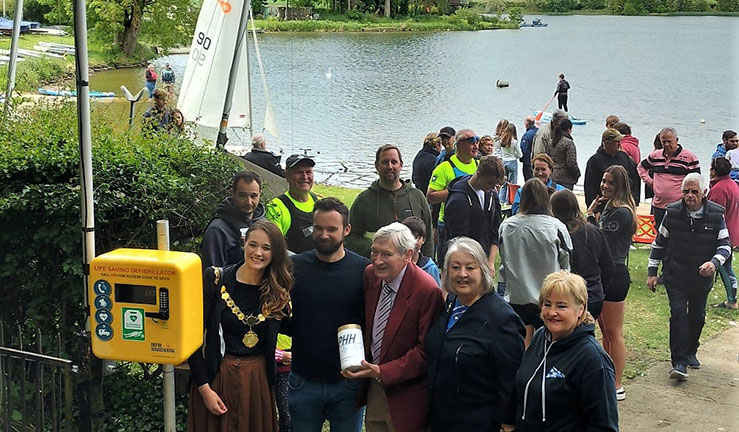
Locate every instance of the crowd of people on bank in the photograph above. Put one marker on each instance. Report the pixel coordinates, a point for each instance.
(160, 117)
(414, 266)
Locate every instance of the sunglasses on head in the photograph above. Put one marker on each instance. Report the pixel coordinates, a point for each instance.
(474, 139)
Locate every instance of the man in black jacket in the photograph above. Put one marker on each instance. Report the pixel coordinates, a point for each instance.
(692, 243)
(609, 154)
(472, 209)
(263, 158)
(223, 238)
(425, 161)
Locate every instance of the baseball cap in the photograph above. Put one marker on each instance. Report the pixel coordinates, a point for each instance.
(447, 131)
(611, 134)
(295, 159)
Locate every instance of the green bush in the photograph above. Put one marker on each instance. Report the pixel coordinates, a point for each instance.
(134, 397)
(354, 15)
(727, 5)
(468, 15)
(515, 15)
(34, 73)
(633, 8)
(136, 180)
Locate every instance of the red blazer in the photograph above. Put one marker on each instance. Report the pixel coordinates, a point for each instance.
(402, 360)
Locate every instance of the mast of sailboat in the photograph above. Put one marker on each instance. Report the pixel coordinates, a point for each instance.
(13, 52)
(232, 74)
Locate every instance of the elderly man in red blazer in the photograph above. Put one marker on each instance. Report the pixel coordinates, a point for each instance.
(401, 301)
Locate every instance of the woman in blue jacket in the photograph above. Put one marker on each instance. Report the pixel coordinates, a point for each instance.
(473, 349)
(566, 380)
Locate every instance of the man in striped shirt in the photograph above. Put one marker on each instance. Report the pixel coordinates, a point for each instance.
(692, 243)
(669, 165)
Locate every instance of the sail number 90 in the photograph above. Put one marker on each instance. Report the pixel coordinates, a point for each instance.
(198, 53)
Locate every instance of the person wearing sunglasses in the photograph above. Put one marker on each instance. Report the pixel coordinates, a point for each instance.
(462, 162)
(692, 244)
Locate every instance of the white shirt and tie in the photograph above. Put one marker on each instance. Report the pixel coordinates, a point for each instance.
(384, 306)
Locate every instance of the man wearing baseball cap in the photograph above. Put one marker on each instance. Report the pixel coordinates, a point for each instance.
(447, 134)
(292, 211)
(609, 153)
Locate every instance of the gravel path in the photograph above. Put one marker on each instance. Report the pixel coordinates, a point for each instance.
(707, 401)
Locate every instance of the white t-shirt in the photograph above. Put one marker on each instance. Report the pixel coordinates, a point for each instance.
(480, 196)
(511, 153)
(733, 157)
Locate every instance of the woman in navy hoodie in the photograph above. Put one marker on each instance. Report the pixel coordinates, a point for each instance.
(566, 380)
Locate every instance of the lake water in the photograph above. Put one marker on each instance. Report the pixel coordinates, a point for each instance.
(394, 88)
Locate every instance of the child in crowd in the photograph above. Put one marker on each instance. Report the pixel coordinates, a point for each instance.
(508, 149)
(418, 228)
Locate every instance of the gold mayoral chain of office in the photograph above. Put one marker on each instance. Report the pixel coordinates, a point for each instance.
(250, 339)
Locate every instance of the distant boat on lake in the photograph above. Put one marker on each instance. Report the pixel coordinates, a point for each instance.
(535, 23)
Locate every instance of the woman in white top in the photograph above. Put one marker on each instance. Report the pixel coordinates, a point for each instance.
(507, 148)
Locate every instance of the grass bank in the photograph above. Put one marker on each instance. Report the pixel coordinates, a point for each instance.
(34, 73)
(463, 20)
(646, 324)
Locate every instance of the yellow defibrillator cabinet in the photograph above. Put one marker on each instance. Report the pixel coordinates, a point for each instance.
(146, 305)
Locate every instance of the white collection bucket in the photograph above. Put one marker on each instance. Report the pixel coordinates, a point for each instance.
(351, 347)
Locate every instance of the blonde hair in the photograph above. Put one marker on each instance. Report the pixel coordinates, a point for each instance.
(508, 135)
(432, 140)
(501, 127)
(567, 284)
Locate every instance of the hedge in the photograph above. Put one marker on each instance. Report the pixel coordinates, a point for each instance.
(137, 181)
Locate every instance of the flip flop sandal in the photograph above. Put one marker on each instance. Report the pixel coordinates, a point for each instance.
(724, 305)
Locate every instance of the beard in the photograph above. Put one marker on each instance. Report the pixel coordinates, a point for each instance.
(389, 177)
(327, 247)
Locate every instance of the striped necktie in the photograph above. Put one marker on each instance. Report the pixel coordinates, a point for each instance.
(457, 312)
(384, 306)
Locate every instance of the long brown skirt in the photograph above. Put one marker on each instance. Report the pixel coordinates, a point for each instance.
(241, 383)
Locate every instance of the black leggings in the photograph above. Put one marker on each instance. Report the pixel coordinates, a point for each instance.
(562, 101)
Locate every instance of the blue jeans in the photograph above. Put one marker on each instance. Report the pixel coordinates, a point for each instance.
(311, 403)
(511, 173)
(729, 279)
(150, 86)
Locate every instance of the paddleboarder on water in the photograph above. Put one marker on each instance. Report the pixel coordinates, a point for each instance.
(562, 87)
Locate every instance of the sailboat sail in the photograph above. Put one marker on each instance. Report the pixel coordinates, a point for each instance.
(270, 125)
(206, 77)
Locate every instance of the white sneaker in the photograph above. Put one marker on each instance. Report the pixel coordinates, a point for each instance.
(620, 394)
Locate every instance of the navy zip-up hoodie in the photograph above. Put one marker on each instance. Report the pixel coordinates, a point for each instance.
(566, 385)
(222, 244)
(464, 216)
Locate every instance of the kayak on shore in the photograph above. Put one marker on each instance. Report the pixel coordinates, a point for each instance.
(547, 116)
(73, 93)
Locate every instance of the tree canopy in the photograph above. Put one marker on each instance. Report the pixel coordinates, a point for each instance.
(125, 23)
